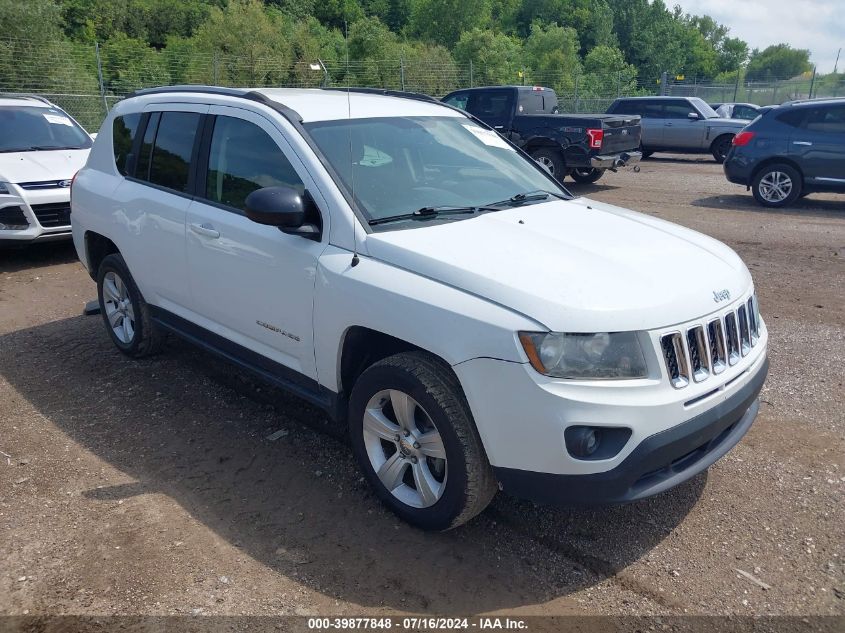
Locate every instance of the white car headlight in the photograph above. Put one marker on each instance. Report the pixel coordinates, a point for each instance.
(4, 188)
(601, 356)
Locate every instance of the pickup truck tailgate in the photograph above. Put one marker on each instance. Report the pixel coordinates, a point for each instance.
(621, 134)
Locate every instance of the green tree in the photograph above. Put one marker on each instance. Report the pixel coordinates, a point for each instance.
(430, 68)
(551, 52)
(248, 44)
(780, 61)
(496, 58)
(130, 63)
(607, 74)
(338, 14)
(443, 21)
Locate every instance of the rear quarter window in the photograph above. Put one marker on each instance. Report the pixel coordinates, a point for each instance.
(124, 129)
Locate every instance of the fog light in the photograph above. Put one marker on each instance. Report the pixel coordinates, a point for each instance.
(582, 441)
(593, 442)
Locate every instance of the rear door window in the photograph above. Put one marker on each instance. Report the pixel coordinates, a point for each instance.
(829, 120)
(677, 109)
(174, 144)
(124, 129)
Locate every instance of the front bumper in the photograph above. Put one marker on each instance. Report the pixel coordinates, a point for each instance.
(614, 161)
(28, 202)
(657, 464)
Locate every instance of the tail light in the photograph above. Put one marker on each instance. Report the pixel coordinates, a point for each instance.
(72, 180)
(596, 137)
(742, 139)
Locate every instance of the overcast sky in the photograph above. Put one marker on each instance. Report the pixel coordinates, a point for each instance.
(818, 25)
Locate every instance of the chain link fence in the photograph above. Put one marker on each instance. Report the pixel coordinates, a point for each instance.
(87, 80)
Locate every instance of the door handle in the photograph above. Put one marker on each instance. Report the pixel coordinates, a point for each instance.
(498, 127)
(801, 143)
(206, 230)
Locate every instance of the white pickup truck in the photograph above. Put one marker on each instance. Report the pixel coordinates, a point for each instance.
(401, 265)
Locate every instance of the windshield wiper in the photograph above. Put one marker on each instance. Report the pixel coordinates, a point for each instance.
(528, 196)
(430, 212)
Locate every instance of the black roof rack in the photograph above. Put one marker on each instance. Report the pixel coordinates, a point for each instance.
(214, 90)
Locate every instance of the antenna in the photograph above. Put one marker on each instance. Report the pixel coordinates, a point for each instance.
(355, 258)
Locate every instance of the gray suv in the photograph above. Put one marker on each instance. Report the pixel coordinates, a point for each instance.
(680, 124)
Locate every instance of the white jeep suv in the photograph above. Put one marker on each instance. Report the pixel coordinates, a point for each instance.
(41, 148)
(397, 263)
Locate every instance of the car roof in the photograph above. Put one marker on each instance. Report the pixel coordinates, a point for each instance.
(815, 102)
(312, 104)
(660, 97)
(24, 100)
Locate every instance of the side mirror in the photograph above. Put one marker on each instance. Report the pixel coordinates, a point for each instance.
(283, 207)
(693, 116)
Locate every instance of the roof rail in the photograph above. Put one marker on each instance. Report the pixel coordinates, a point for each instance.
(402, 94)
(25, 95)
(214, 90)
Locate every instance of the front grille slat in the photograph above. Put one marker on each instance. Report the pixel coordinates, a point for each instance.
(676, 359)
(744, 331)
(700, 351)
(718, 353)
(52, 214)
(732, 338)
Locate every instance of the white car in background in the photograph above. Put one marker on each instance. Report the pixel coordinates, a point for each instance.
(41, 149)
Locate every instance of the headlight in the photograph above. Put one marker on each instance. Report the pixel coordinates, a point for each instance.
(3, 188)
(602, 356)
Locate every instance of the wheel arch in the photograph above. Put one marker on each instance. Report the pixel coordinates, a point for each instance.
(362, 347)
(773, 161)
(97, 247)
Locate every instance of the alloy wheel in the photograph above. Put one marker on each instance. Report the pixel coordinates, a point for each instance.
(405, 448)
(775, 186)
(118, 305)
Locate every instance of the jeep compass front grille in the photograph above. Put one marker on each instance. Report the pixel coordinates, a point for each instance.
(702, 351)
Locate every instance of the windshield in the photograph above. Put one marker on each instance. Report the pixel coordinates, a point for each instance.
(400, 165)
(704, 108)
(32, 128)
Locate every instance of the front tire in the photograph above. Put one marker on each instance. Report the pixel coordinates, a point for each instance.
(414, 438)
(125, 313)
(720, 147)
(587, 176)
(776, 185)
(552, 160)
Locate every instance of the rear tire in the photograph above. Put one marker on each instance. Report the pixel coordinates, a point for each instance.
(777, 185)
(720, 147)
(587, 176)
(413, 435)
(552, 160)
(125, 313)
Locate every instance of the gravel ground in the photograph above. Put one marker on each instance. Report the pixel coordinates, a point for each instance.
(152, 488)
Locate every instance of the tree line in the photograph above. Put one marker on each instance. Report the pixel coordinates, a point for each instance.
(145, 42)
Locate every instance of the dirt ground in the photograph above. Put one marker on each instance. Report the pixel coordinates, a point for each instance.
(152, 488)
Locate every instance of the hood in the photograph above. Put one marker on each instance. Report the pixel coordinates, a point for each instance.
(574, 266)
(725, 122)
(60, 164)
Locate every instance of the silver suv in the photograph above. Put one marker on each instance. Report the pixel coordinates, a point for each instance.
(680, 124)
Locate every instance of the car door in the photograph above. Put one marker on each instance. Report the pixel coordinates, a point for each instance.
(153, 200)
(651, 123)
(251, 283)
(680, 131)
(818, 144)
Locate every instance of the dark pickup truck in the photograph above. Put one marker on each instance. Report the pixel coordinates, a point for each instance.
(579, 145)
